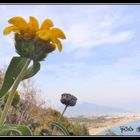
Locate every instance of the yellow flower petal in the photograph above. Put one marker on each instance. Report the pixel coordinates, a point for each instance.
(58, 33)
(58, 43)
(44, 34)
(18, 22)
(47, 23)
(33, 23)
(49, 36)
(8, 30)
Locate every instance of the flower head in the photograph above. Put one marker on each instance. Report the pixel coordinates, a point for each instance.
(68, 99)
(32, 40)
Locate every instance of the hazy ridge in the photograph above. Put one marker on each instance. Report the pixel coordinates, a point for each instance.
(89, 109)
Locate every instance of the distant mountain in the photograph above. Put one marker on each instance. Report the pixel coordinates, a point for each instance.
(88, 109)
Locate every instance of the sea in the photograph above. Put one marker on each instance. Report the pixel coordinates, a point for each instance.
(130, 129)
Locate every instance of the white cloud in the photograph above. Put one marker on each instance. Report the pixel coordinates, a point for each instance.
(83, 54)
(115, 84)
(80, 37)
(87, 35)
(86, 27)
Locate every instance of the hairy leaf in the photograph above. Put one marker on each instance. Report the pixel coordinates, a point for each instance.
(12, 72)
(12, 129)
(61, 128)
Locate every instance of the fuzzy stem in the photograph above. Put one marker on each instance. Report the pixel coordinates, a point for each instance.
(12, 91)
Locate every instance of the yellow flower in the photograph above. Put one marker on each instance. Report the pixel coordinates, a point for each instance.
(16, 99)
(17, 93)
(31, 30)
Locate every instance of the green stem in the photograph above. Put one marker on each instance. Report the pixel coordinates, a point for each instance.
(12, 91)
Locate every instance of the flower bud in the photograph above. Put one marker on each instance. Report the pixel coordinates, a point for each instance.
(16, 99)
(68, 99)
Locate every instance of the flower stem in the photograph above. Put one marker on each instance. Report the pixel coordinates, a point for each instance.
(12, 91)
(54, 129)
(63, 112)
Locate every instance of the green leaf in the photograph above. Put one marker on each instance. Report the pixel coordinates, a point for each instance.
(24, 130)
(61, 128)
(31, 71)
(12, 132)
(12, 72)
(15, 130)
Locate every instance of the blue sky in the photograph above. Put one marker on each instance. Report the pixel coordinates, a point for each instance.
(100, 61)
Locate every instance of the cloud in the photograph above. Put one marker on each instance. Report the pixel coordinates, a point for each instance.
(102, 84)
(90, 34)
(87, 27)
(98, 27)
(83, 37)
